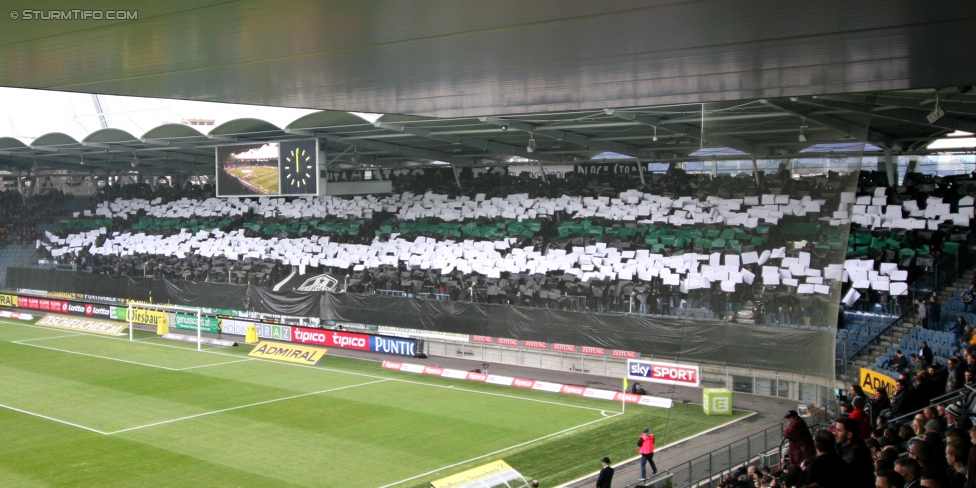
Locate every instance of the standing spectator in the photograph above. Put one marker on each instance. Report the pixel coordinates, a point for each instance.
(646, 449)
(935, 313)
(925, 354)
(923, 316)
(958, 328)
(606, 475)
(851, 449)
(861, 417)
(798, 434)
(967, 299)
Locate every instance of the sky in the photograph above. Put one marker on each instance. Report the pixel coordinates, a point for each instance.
(27, 114)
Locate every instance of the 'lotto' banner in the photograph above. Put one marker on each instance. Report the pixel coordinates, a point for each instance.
(666, 373)
(83, 325)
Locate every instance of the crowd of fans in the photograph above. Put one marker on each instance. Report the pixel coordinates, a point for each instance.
(773, 305)
(929, 446)
(19, 216)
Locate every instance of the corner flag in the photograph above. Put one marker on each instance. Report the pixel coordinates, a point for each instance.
(625, 383)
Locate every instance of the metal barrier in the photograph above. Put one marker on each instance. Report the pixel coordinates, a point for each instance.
(701, 470)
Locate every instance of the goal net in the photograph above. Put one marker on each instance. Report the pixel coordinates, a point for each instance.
(165, 316)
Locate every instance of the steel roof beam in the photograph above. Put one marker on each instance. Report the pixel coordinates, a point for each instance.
(570, 137)
(948, 121)
(383, 146)
(475, 142)
(848, 128)
(691, 131)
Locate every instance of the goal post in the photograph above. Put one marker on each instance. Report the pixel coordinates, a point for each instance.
(166, 309)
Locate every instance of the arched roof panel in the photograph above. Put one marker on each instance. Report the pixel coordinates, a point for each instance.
(326, 119)
(173, 131)
(110, 135)
(54, 139)
(11, 143)
(244, 126)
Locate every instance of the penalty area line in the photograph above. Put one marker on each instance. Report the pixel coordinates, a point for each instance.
(188, 417)
(52, 419)
(96, 356)
(516, 446)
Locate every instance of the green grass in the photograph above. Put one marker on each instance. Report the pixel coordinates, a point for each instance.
(263, 177)
(162, 414)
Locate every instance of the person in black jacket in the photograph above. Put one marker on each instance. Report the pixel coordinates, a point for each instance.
(606, 475)
(903, 401)
(935, 313)
(827, 470)
(851, 449)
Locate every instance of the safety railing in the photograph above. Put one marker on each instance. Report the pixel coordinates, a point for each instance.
(701, 470)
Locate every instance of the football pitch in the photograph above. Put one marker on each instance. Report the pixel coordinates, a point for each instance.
(84, 410)
(263, 179)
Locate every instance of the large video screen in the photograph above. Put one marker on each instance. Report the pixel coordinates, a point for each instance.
(268, 169)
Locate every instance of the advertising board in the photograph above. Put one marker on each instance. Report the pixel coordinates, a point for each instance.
(666, 373)
(287, 352)
(94, 326)
(189, 322)
(350, 340)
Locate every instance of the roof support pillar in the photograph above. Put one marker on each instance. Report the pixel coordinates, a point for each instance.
(891, 167)
(755, 171)
(640, 171)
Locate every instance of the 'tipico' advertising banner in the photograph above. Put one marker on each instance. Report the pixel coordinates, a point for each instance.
(349, 340)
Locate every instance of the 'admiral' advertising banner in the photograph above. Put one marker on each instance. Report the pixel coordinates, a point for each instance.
(666, 373)
(287, 352)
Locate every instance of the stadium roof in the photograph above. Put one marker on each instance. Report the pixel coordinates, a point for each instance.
(765, 129)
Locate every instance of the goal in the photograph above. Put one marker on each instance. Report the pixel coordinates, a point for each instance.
(151, 314)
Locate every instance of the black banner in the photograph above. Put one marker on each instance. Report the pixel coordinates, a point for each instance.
(785, 349)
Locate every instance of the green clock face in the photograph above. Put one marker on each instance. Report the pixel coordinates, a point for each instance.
(298, 168)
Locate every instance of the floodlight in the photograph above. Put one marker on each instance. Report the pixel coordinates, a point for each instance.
(937, 113)
(804, 132)
(655, 134)
(531, 146)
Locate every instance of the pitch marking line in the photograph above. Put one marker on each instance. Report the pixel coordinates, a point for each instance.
(46, 338)
(53, 419)
(21, 343)
(216, 364)
(96, 356)
(501, 450)
(243, 406)
(318, 368)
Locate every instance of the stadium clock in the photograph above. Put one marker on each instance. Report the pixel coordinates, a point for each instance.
(298, 167)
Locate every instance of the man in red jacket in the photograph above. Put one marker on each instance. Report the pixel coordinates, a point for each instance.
(861, 417)
(801, 441)
(645, 446)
